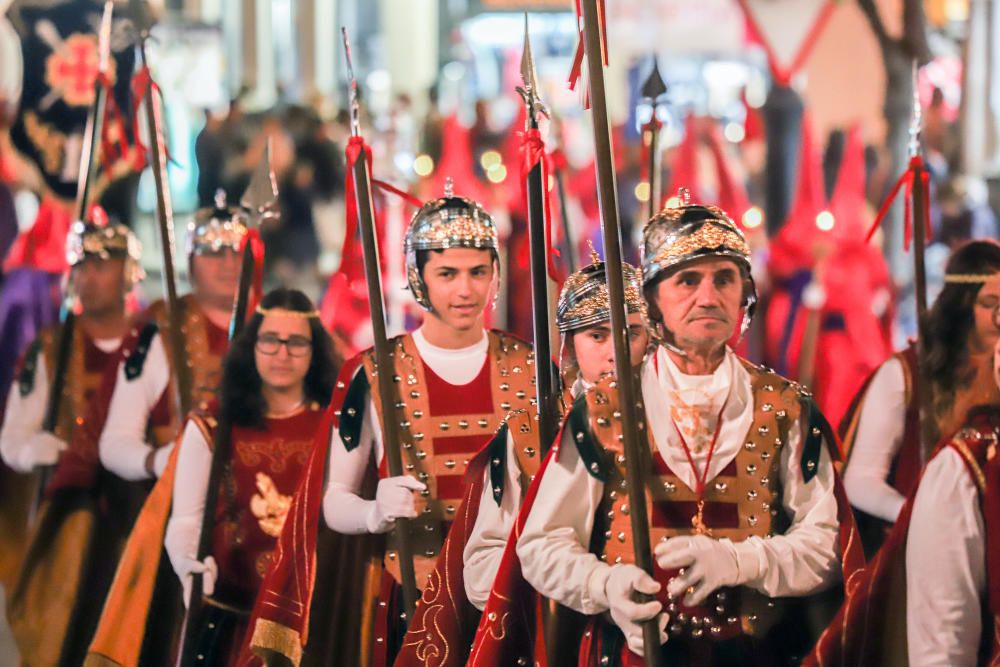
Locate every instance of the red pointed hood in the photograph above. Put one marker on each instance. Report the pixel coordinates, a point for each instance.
(456, 163)
(791, 249)
(684, 167)
(848, 203)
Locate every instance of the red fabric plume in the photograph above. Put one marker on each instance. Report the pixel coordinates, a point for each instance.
(905, 182)
(44, 245)
(533, 153)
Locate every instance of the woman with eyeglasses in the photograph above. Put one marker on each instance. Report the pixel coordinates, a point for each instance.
(882, 430)
(277, 379)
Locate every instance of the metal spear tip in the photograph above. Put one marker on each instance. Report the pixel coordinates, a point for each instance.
(653, 87)
(916, 116)
(530, 92)
(104, 38)
(353, 104)
(261, 196)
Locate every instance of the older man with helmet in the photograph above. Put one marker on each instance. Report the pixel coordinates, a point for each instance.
(739, 481)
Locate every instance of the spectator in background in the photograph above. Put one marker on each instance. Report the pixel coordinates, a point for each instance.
(209, 151)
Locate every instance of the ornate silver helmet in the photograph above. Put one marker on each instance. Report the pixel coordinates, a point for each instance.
(687, 232)
(213, 229)
(583, 300)
(96, 237)
(443, 223)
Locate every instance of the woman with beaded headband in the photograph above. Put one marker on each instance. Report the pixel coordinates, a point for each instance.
(739, 478)
(277, 379)
(456, 383)
(78, 531)
(881, 431)
(928, 597)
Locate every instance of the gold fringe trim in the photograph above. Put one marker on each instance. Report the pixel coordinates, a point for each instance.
(269, 636)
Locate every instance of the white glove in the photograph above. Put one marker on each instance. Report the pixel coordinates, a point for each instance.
(208, 570)
(393, 500)
(42, 449)
(623, 581)
(707, 566)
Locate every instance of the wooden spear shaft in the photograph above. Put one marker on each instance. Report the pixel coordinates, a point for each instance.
(607, 191)
(165, 219)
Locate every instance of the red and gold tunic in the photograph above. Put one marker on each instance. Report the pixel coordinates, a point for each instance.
(257, 487)
(87, 365)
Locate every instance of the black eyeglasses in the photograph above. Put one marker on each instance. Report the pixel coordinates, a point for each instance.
(297, 346)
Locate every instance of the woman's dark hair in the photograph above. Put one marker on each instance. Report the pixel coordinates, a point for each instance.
(242, 401)
(950, 321)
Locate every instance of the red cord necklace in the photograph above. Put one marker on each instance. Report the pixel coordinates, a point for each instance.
(698, 520)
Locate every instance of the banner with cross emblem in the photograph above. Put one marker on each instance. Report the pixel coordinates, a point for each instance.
(60, 56)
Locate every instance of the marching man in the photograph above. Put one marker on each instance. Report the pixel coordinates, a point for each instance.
(742, 492)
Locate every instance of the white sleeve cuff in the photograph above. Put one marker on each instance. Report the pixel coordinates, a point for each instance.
(749, 559)
(595, 594)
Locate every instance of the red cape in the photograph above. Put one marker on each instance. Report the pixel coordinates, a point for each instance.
(870, 628)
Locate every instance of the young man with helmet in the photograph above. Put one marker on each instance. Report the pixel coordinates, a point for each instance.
(142, 418)
(456, 383)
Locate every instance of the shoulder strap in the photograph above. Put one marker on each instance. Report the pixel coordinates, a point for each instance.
(136, 358)
(349, 400)
(29, 366)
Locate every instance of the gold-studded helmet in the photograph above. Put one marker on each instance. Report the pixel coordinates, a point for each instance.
(96, 237)
(447, 222)
(583, 300)
(686, 232)
(215, 228)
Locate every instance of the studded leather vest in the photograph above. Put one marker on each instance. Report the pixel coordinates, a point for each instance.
(744, 500)
(205, 345)
(442, 426)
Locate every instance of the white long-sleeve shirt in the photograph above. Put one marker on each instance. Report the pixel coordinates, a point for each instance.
(123, 447)
(344, 510)
(553, 546)
(945, 567)
(194, 464)
(486, 543)
(876, 444)
(24, 415)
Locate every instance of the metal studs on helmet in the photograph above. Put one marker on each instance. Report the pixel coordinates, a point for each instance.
(681, 234)
(213, 229)
(440, 224)
(96, 237)
(583, 300)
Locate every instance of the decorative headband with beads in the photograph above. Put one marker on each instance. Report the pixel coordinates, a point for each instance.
(969, 278)
(285, 312)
